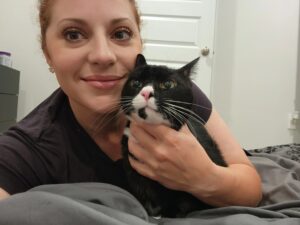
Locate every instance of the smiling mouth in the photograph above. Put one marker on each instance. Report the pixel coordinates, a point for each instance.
(103, 82)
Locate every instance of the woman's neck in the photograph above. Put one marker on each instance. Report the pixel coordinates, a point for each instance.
(105, 129)
(94, 122)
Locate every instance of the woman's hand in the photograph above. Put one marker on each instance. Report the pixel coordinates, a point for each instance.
(173, 158)
(176, 160)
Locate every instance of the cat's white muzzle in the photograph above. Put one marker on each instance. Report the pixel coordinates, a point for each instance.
(151, 110)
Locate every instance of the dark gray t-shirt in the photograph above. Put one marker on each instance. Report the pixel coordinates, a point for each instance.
(49, 146)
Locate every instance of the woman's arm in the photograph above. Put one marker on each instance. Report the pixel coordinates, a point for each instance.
(239, 184)
(3, 194)
(178, 161)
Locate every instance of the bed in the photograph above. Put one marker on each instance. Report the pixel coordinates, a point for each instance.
(98, 203)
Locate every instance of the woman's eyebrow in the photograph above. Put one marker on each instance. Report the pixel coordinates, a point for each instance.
(119, 20)
(83, 22)
(74, 20)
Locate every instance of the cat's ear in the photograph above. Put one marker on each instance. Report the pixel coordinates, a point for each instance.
(140, 60)
(187, 69)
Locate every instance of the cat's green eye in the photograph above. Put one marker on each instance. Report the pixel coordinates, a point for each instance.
(136, 84)
(167, 84)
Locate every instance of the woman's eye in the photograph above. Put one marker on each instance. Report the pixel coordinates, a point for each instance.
(73, 35)
(122, 34)
(136, 84)
(167, 84)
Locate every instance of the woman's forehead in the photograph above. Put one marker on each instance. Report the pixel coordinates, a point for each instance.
(92, 10)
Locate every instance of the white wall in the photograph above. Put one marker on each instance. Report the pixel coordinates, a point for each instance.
(19, 35)
(297, 136)
(255, 69)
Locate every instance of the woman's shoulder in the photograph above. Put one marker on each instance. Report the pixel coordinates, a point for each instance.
(41, 117)
(202, 106)
(34, 149)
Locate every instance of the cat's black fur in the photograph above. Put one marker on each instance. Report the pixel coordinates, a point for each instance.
(158, 200)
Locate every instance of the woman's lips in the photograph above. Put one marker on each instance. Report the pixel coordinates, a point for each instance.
(103, 82)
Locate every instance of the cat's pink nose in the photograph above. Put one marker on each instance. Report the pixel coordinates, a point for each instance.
(146, 94)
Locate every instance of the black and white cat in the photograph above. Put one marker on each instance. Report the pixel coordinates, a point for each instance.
(161, 95)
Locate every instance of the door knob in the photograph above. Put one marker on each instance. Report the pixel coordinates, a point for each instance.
(205, 51)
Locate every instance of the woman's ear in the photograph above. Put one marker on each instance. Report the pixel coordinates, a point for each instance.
(49, 61)
(47, 57)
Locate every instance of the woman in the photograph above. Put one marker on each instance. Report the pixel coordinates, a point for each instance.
(91, 46)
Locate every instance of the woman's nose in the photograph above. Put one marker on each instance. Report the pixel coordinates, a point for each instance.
(101, 52)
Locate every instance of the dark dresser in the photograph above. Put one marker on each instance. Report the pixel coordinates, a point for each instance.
(9, 91)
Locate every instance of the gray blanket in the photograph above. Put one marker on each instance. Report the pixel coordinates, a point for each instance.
(98, 203)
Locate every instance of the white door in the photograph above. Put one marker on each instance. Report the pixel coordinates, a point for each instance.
(175, 32)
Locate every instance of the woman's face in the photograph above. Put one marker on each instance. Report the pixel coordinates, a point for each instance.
(92, 45)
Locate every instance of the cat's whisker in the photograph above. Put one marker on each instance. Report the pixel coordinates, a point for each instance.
(187, 111)
(129, 100)
(125, 101)
(195, 117)
(112, 114)
(186, 120)
(125, 105)
(188, 115)
(181, 116)
(125, 109)
(126, 98)
(105, 120)
(110, 119)
(183, 119)
(187, 103)
(190, 125)
(174, 114)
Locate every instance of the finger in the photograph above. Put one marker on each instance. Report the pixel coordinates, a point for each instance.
(141, 168)
(146, 156)
(136, 149)
(142, 136)
(185, 129)
(146, 171)
(157, 131)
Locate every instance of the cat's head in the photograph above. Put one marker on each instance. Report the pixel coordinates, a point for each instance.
(158, 94)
